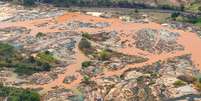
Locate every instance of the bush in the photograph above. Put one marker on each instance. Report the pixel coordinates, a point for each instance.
(104, 55)
(40, 34)
(198, 86)
(86, 35)
(29, 2)
(11, 58)
(175, 15)
(193, 7)
(86, 64)
(86, 78)
(136, 10)
(84, 44)
(25, 69)
(46, 57)
(18, 94)
(179, 83)
(6, 50)
(197, 83)
(199, 8)
(199, 80)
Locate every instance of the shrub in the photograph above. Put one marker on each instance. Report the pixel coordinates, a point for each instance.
(198, 86)
(11, 58)
(86, 78)
(86, 64)
(6, 49)
(136, 10)
(40, 34)
(199, 80)
(179, 83)
(86, 35)
(84, 44)
(28, 2)
(175, 15)
(140, 79)
(154, 74)
(180, 19)
(104, 55)
(18, 94)
(46, 57)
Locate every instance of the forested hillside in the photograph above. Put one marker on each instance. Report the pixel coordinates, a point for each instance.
(165, 4)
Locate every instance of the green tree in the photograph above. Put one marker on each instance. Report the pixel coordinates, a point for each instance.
(175, 15)
(28, 2)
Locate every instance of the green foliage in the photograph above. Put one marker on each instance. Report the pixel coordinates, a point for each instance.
(197, 85)
(175, 15)
(199, 8)
(6, 50)
(182, 8)
(195, 21)
(110, 3)
(140, 79)
(179, 83)
(136, 10)
(86, 35)
(11, 58)
(104, 55)
(83, 2)
(84, 44)
(154, 74)
(86, 78)
(28, 2)
(193, 7)
(40, 34)
(18, 94)
(86, 64)
(185, 19)
(46, 57)
(199, 80)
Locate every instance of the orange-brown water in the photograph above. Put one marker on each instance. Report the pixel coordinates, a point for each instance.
(190, 41)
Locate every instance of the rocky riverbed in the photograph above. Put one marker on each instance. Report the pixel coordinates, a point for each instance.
(99, 58)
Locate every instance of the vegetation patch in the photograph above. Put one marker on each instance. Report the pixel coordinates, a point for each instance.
(104, 54)
(86, 35)
(40, 34)
(86, 47)
(86, 64)
(24, 65)
(179, 83)
(18, 94)
(28, 2)
(185, 19)
(193, 7)
(86, 79)
(46, 57)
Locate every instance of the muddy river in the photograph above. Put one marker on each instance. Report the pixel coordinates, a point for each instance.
(190, 41)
